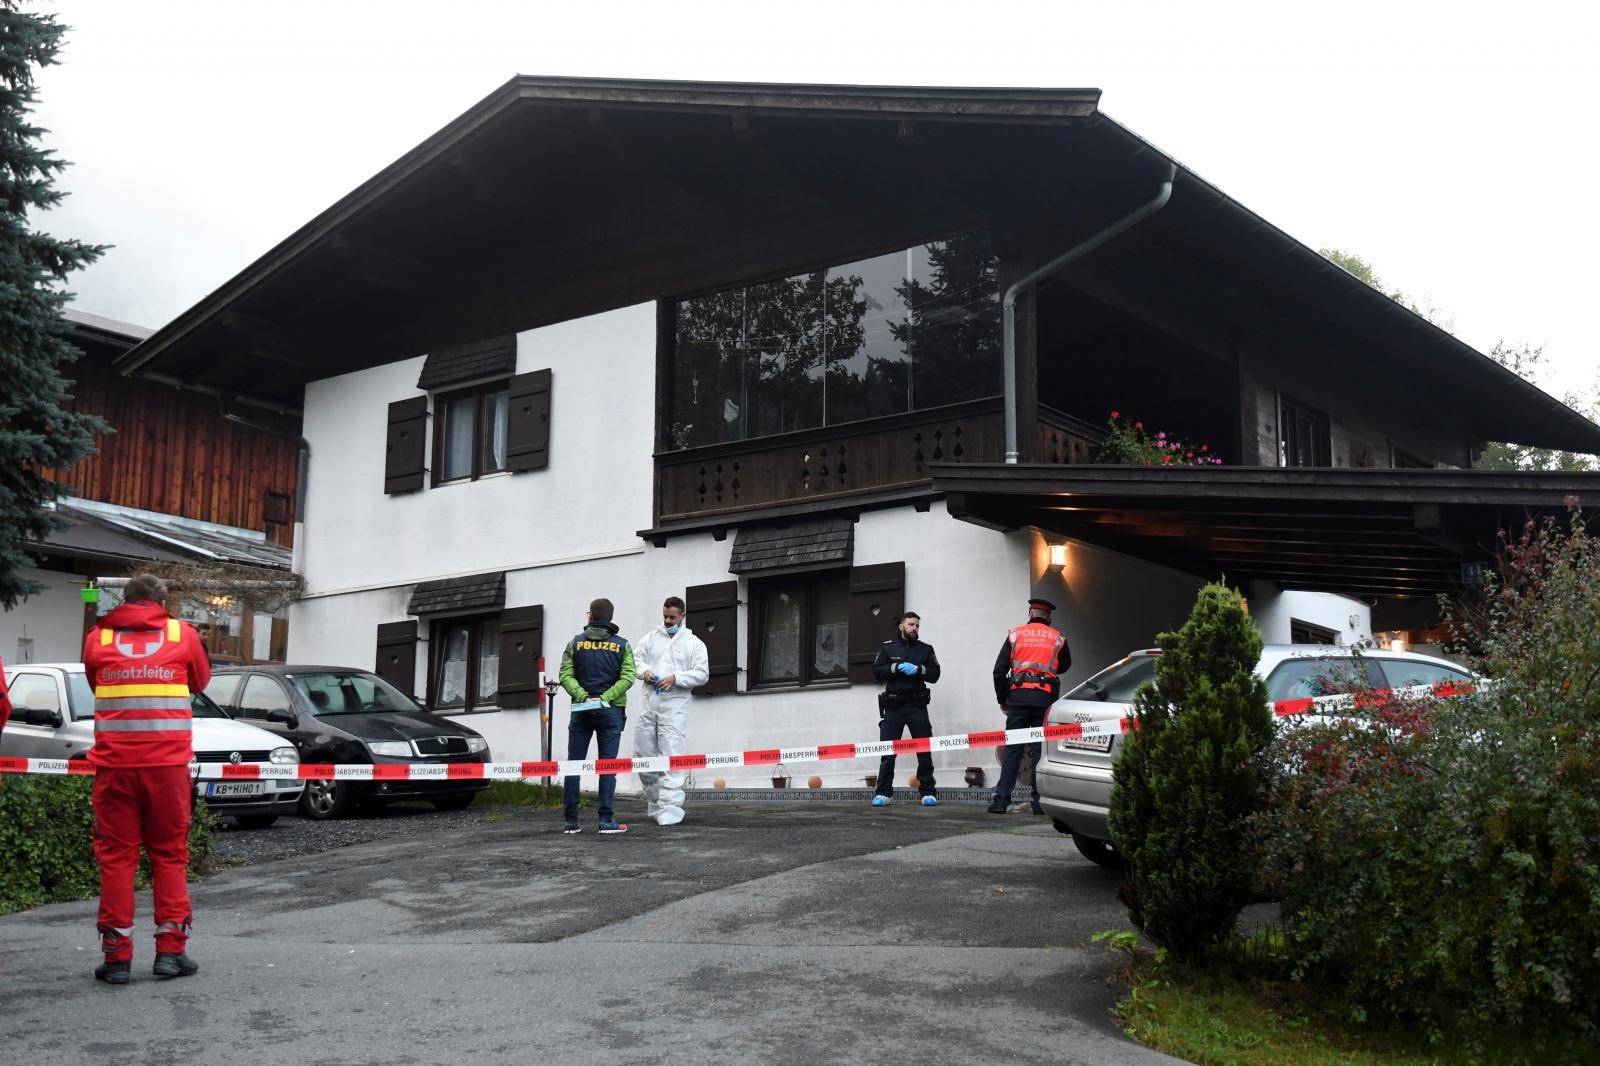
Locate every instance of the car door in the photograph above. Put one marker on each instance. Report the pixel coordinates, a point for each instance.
(35, 693)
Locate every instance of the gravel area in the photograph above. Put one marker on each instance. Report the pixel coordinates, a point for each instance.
(289, 837)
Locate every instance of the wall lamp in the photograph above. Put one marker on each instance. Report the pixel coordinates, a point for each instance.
(1058, 556)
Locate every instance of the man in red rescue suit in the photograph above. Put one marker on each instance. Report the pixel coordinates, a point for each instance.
(1027, 680)
(142, 665)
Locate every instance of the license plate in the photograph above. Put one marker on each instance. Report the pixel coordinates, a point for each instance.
(222, 789)
(1102, 744)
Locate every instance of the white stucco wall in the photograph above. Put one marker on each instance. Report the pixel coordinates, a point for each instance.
(592, 498)
(52, 618)
(1273, 610)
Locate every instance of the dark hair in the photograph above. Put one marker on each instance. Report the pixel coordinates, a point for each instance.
(145, 587)
(911, 614)
(601, 610)
(674, 601)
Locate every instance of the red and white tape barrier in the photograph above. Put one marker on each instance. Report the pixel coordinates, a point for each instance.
(872, 749)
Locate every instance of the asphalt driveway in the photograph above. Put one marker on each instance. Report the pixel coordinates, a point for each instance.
(751, 933)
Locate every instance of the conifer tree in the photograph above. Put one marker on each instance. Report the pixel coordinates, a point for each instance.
(1189, 777)
(37, 434)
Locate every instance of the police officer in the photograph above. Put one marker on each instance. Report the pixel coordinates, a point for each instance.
(1027, 680)
(907, 666)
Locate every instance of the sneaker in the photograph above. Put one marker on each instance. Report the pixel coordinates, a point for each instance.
(571, 827)
(930, 801)
(998, 808)
(170, 965)
(880, 801)
(114, 973)
(612, 828)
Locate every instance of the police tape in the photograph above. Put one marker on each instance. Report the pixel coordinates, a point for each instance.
(873, 749)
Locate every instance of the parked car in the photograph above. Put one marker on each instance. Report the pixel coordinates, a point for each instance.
(1073, 778)
(54, 719)
(339, 714)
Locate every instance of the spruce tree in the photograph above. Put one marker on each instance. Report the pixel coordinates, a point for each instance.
(1189, 777)
(37, 436)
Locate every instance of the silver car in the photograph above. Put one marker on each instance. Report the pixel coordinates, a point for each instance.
(52, 717)
(1073, 777)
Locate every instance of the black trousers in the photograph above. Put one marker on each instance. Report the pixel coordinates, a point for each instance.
(894, 722)
(1019, 718)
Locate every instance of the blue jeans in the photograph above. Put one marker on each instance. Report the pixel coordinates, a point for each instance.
(606, 724)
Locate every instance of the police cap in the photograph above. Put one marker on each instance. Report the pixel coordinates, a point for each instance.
(1041, 605)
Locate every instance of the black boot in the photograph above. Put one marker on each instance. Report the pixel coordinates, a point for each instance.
(114, 973)
(997, 807)
(169, 965)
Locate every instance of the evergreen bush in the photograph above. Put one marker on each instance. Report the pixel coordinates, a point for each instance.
(1188, 779)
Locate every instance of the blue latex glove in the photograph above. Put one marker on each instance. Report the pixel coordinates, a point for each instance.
(909, 669)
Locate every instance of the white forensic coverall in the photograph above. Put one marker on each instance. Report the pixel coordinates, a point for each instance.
(664, 722)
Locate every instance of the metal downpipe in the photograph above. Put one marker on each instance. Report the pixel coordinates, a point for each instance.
(1008, 304)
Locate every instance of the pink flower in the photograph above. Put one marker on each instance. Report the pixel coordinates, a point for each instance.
(1115, 415)
(1138, 425)
(1162, 435)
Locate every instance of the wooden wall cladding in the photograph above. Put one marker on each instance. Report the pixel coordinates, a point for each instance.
(174, 453)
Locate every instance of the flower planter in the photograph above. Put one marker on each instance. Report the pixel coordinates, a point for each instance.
(974, 777)
(780, 777)
(872, 780)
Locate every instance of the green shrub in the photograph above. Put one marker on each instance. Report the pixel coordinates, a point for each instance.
(47, 837)
(1188, 779)
(1440, 862)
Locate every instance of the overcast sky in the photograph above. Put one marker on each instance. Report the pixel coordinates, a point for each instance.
(1451, 145)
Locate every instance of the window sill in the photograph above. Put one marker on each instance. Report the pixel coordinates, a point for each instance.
(466, 480)
(777, 689)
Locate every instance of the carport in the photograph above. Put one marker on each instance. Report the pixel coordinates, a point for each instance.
(1378, 534)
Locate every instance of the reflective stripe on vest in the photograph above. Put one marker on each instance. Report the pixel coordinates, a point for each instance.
(143, 725)
(1033, 646)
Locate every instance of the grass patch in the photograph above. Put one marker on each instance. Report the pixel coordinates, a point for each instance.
(1227, 1017)
(519, 794)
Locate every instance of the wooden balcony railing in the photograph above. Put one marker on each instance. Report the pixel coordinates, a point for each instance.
(839, 463)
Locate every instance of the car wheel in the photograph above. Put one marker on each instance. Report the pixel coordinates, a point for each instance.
(255, 821)
(453, 802)
(1100, 852)
(323, 800)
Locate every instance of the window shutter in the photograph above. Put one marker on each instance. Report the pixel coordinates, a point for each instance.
(403, 462)
(714, 617)
(521, 644)
(528, 422)
(877, 599)
(397, 655)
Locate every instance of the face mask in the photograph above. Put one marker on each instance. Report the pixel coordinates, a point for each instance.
(670, 630)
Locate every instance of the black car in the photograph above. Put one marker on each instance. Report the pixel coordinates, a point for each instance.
(338, 714)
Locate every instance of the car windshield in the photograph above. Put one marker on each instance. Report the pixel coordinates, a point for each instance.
(1117, 683)
(349, 692)
(82, 699)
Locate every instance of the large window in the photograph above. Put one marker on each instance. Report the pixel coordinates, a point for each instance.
(905, 331)
(800, 629)
(470, 433)
(466, 665)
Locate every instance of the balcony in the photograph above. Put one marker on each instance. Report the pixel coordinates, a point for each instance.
(872, 462)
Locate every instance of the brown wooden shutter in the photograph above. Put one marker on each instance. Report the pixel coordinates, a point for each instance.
(397, 655)
(528, 423)
(521, 644)
(403, 462)
(877, 599)
(714, 617)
